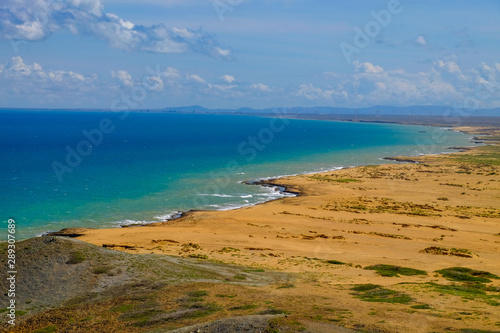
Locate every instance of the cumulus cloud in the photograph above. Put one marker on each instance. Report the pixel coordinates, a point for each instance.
(444, 83)
(227, 78)
(123, 77)
(421, 41)
(17, 70)
(30, 83)
(195, 78)
(171, 73)
(260, 86)
(367, 67)
(37, 20)
(311, 92)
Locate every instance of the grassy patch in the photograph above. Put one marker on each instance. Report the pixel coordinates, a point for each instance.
(197, 293)
(239, 277)
(76, 257)
(365, 287)
(336, 262)
(466, 274)
(123, 308)
(225, 296)
(421, 306)
(469, 291)
(273, 311)
(337, 180)
(244, 307)
(391, 270)
(141, 317)
(203, 310)
(375, 293)
(436, 250)
(48, 329)
(103, 270)
(190, 247)
(381, 234)
(254, 270)
(475, 330)
(228, 249)
(198, 256)
(285, 286)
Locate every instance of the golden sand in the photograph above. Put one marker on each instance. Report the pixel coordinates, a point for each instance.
(441, 212)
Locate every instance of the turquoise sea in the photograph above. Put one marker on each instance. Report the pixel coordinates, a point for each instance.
(101, 169)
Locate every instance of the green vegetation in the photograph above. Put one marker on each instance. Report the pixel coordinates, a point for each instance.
(375, 293)
(202, 310)
(469, 291)
(198, 256)
(190, 246)
(447, 252)
(421, 306)
(391, 270)
(336, 262)
(381, 234)
(253, 270)
(239, 277)
(123, 308)
(228, 296)
(197, 293)
(488, 155)
(76, 257)
(141, 317)
(103, 270)
(466, 274)
(338, 180)
(273, 311)
(285, 286)
(475, 330)
(244, 307)
(228, 250)
(48, 329)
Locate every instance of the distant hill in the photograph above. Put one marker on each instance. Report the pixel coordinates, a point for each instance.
(374, 110)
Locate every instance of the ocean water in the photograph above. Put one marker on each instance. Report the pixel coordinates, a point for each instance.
(101, 169)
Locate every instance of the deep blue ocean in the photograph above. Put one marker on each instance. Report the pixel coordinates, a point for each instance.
(101, 169)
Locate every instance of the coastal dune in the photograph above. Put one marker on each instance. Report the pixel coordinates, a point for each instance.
(363, 215)
(412, 246)
(359, 228)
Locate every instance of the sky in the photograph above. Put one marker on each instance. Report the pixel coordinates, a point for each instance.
(149, 54)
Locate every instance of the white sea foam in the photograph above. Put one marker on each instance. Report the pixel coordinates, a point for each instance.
(217, 195)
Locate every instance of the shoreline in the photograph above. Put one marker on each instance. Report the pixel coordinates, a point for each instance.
(376, 247)
(263, 181)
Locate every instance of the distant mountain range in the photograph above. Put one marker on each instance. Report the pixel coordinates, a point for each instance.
(374, 110)
(319, 110)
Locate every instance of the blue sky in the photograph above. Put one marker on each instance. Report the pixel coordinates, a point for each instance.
(249, 53)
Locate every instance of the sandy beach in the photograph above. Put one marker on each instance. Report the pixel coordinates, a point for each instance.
(410, 246)
(441, 212)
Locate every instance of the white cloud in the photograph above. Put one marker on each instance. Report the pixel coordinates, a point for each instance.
(124, 77)
(222, 53)
(171, 73)
(367, 67)
(32, 81)
(227, 78)
(421, 41)
(196, 78)
(445, 83)
(153, 83)
(260, 86)
(311, 92)
(37, 20)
